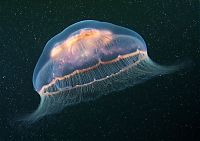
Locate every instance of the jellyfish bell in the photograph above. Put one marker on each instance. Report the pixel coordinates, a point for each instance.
(87, 60)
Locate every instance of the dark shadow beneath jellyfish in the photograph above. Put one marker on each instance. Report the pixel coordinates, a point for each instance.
(87, 60)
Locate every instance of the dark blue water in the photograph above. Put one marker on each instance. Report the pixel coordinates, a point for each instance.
(163, 109)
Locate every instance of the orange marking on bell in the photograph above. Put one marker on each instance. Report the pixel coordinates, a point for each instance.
(56, 51)
(87, 37)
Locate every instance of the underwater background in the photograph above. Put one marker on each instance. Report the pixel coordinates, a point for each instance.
(165, 108)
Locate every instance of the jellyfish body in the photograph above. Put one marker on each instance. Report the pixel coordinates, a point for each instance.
(87, 60)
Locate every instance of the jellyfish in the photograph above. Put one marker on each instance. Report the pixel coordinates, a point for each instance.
(87, 60)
